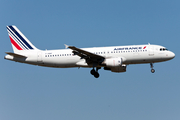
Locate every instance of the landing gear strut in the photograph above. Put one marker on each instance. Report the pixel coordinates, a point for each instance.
(152, 70)
(95, 72)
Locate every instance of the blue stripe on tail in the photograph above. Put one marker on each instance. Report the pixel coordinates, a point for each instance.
(17, 39)
(21, 38)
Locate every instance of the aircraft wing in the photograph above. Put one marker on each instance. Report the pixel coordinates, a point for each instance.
(85, 54)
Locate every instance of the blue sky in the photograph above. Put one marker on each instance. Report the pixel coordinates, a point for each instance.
(32, 92)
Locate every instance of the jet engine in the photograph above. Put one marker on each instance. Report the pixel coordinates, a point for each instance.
(113, 62)
(115, 65)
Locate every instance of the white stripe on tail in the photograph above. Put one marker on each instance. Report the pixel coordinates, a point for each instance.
(18, 40)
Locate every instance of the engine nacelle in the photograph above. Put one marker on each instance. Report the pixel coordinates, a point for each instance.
(119, 69)
(116, 69)
(113, 62)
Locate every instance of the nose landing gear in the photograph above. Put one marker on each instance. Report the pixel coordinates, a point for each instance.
(152, 70)
(95, 72)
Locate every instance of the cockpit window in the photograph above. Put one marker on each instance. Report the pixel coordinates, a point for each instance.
(163, 49)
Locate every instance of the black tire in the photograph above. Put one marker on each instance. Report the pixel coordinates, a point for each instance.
(152, 70)
(96, 75)
(93, 72)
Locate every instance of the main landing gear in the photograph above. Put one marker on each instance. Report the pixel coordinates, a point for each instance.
(95, 72)
(152, 70)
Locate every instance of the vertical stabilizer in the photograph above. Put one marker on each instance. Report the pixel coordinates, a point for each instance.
(18, 40)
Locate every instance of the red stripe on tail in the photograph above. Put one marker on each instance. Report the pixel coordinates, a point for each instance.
(15, 44)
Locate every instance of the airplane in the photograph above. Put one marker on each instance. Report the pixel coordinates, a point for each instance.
(114, 58)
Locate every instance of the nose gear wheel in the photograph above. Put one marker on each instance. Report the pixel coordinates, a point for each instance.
(152, 70)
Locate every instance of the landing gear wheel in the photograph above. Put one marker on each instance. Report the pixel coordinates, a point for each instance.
(96, 75)
(152, 70)
(93, 71)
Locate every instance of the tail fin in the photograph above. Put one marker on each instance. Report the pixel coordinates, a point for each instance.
(18, 40)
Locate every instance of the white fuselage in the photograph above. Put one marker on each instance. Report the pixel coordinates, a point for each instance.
(64, 58)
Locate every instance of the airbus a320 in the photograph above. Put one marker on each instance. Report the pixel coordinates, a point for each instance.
(114, 58)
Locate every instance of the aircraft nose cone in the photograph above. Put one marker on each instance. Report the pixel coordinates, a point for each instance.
(172, 55)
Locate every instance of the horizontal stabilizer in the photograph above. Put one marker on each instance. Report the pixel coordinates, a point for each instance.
(15, 55)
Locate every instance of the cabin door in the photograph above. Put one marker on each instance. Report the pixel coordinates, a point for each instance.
(39, 57)
(151, 50)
